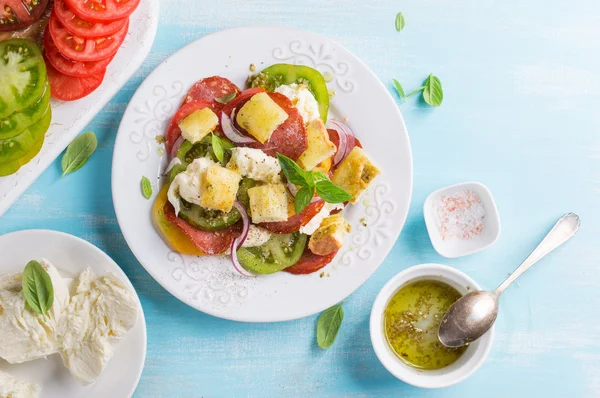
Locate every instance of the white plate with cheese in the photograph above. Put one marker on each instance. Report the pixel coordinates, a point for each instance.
(71, 256)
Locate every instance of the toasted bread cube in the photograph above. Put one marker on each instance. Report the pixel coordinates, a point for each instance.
(268, 203)
(355, 173)
(329, 237)
(319, 147)
(219, 188)
(261, 116)
(198, 124)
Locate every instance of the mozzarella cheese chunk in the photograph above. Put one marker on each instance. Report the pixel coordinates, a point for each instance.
(302, 99)
(257, 236)
(198, 124)
(187, 185)
(261, 116)
(101, 311)
(24, 334)
(268, 203)
(329, 237)
(320, 147)
(219, 188)
(316, 221)
(255, 164)
(12, 387)
(355, 173)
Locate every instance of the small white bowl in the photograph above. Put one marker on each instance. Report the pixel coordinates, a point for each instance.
(464, 367)
(455, 247)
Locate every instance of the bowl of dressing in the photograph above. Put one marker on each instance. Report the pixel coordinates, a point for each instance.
(404, 322)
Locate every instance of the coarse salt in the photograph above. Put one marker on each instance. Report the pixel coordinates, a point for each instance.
(460, 215)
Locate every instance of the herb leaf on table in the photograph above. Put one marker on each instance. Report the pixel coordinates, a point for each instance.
(400, 22)
(328, 325)
(78, 152)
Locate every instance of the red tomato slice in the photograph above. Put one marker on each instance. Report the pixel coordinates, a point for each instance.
(309, 263)
(103, 10)
(82, 28)
(85, 50)
(68, 67)
(174, 132)
(70, 88)
(18, 14)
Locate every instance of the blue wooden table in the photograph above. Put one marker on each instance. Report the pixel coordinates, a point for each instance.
(520, 114)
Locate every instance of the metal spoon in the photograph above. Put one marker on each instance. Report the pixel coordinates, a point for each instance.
(474, 313)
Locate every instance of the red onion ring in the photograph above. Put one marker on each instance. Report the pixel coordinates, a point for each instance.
(176, 146)
(347, 140)
(231, 132)
(239, 241)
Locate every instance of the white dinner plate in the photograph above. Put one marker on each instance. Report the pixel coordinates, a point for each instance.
(72, 255)
(209, 284)
(69, 118)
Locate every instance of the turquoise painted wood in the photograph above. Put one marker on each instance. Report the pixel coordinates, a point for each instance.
(520, 114)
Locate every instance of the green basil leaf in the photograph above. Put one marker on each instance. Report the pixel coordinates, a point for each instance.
(217, 147)
(226, 98)
(400, 21)
(146, 187)
(37, 288)
(433, 93)
(328, 325)
(78, 152)
(293, 172)
(331, 193)
(319, 176)
(399, 88)
(303, 198)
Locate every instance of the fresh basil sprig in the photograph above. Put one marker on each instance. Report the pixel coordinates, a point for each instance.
(217, 146)
(37, 288)
(310, 181)
(400, 21)
(328, 325)
(433, 94)
(78, 152)
(146, 187)
(226, 98)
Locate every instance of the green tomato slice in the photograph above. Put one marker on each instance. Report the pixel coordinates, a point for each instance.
(22, 75)
(14, 166)
(279, 74)
(213, 220)
(16, 122)
(15, 148)
(279, 253)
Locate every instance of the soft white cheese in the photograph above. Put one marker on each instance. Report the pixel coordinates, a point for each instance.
(14, 388)
(256, 237)
(24, 334)
(187, 184)
(316, 221)
(302, 99)
(101, 311)
(255, 164)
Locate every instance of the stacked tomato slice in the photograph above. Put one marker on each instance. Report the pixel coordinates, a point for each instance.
(81, 40)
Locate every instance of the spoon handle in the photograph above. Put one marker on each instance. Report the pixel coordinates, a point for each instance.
(563, 230)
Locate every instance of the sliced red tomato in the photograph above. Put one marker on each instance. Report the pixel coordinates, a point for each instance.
(81, 49)
(309, 263)
(68, 67)
(174, 132)
(294, 223)
(70, 88)
(18, 14)
(81, 27)
(102, 10)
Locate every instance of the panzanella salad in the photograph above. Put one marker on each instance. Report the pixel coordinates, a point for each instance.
(257, 175)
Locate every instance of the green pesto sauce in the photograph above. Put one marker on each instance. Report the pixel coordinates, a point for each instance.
(411, 321)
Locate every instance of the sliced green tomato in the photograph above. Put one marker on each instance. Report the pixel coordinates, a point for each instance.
(14, 166)
(280, 252)
(15, 148)
(16, 122)
(213, 220)
(22, 75)
(287, 74)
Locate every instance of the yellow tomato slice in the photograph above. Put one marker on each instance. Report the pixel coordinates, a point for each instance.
(171, 233)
